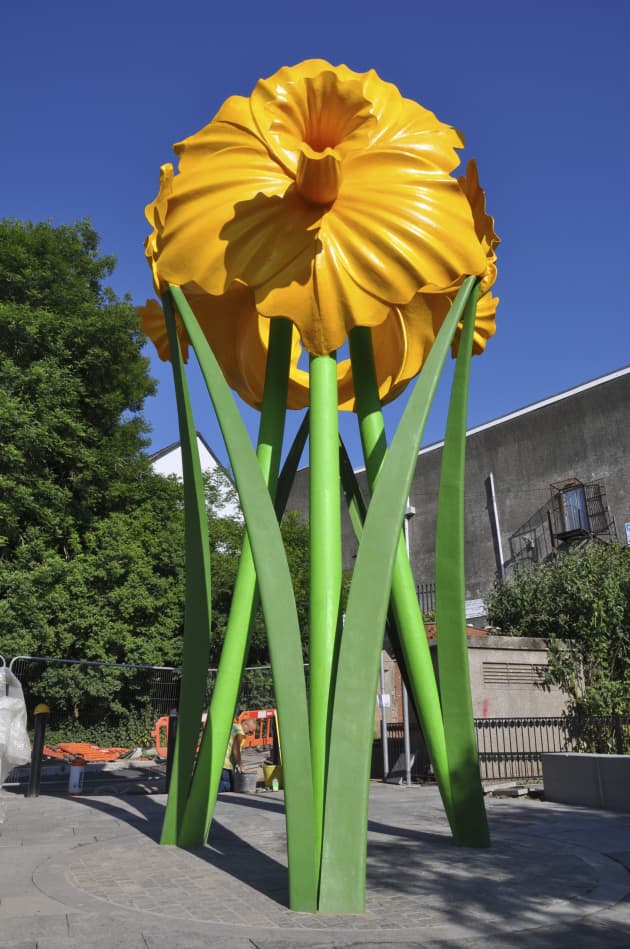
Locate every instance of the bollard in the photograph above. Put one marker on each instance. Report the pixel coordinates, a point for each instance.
(41, 714)
(170, 744)
(77, 772)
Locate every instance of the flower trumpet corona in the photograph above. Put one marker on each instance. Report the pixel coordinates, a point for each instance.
(327, 194)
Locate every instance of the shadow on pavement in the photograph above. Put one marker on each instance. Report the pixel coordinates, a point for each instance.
(225, 850)
(538, 876)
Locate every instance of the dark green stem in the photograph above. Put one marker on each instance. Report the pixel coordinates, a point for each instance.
(405, 607)
(342, 883)
(281, 620)
(471, 824)
(198, 608)
(205, 783)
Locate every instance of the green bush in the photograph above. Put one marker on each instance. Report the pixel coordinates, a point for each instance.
(127, 731)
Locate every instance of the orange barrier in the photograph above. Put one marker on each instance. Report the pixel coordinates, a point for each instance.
(264, 732)
(160, 733)
(69, 750)
(262, 737)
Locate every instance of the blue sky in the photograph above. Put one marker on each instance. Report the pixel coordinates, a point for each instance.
(93, 97)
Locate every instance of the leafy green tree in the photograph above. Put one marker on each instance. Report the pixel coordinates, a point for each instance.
(226, 536)
(119, 599)
(90, 555)
(580, 603)
(91, 540)
(72, 384)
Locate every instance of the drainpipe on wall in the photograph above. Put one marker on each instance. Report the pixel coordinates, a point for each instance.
(409, 513)
(494, 525)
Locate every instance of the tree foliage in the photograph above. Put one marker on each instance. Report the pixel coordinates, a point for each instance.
(72, 383)
(580, 603)
(91, 540)
(226, 537)
(90, 562)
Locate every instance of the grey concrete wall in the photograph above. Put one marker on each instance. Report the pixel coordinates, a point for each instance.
(584, 435)
(506, 678)
(601, 781)
(506, 675)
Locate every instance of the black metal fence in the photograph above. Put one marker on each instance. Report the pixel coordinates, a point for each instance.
(512, 748)
(420, 764)
(426, 597)
(509, 748)
(89, 692)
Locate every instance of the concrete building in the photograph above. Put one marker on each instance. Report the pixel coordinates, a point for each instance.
(537, 480)
(516, 713)
(507, 676)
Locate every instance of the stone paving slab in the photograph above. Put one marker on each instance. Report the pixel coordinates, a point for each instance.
(88, 872)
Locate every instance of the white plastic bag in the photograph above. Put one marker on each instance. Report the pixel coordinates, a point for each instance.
(15, 747)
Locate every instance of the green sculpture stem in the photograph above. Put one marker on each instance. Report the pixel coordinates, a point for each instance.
(325, 568)
(278, 603)
(198, 604)
(471, 825)
(207, 776)
(404, 600)
(342, 883)
(291, 462)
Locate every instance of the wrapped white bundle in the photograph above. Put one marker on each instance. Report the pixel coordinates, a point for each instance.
(15, 747)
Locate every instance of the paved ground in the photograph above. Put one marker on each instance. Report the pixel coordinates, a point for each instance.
(87, 871)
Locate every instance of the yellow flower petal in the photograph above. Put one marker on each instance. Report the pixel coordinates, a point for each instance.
(313, 103)
(321, 302)
(327, 198)
(237, 335)
(155, 213)
(485, 323)
(249, 232)
(484, 224)
(153, 325)
(400, 344)
(424, 219)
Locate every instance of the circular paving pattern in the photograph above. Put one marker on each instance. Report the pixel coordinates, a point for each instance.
(417, 879)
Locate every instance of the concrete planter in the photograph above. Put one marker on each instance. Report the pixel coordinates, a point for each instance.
(600, 781)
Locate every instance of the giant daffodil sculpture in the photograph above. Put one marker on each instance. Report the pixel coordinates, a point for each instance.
(320, 210)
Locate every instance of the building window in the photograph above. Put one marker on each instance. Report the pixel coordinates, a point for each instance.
(573, 511)
(579, 510)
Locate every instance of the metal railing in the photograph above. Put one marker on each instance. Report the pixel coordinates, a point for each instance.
(91, 691)
(509, 748)
(420, 763)
(426, 596)
(512, 748)
(93, 687)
